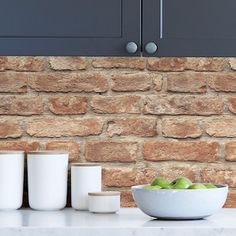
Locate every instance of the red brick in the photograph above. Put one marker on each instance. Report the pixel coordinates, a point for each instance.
(63, 127)
(119, 62)
(183, 105)
(221, 127)
(231, 200)
(10, 129)
(219, 175)
(225, 82)
(25, 63)
(200, 151)
(232, 104)
(68, 63)
(116, 104)
(68, 104)
(21, 105)
(124, 82)
(12, 82)
(70, 146)
(123, 177)
(206, 64)
(107, 151)
(166, 64)
(232, 62)
(68, 82)
(187, 82)
(126, 199)
(181, 64)
(3, 63)
(132, 126)
(181, 128)
(126, 177)
(171, 171)
(157, 81)
(230, 151)
(19, 145)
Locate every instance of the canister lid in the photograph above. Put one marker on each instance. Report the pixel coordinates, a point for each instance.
(104, 193)
(84, 164)
(48, 152)
(4, 152)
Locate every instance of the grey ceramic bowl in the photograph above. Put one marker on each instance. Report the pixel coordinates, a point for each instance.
(180, 203)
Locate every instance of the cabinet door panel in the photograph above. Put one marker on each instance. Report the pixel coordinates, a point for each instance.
(68, 27)
(54, 18)
(191, 27)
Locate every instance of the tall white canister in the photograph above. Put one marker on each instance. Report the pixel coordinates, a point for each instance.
(85, 178)
(47, 179)
(11, 179)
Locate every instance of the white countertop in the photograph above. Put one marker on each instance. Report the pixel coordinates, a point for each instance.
(128, 222)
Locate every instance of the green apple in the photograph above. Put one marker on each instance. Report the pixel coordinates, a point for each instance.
(170, 186)
(149, 187)
(197, 186)
(181, 183)
(161, 182)
(210, 185)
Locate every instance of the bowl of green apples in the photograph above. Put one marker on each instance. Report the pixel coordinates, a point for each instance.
(179, 199)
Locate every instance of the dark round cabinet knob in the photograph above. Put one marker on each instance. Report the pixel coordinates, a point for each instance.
(131, 47)
(151, 48)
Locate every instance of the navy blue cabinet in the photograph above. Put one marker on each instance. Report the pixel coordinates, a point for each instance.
(190, 27)
(70, 27)
(118, 27)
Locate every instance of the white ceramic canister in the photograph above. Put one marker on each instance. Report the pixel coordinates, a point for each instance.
(85, 178)
(104, 202)
(47, 179)
(11, 179)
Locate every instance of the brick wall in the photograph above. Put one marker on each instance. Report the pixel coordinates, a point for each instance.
(138, 117)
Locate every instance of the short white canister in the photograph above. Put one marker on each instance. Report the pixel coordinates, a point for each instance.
(47, 179)
(104, 202)
(11, 179)
(85, 178)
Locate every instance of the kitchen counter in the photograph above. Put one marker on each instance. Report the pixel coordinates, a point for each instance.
(128, 222)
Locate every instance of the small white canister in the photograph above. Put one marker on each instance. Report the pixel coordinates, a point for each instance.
(11, 179)
(104, 202)
(47, 179)
(85, 178)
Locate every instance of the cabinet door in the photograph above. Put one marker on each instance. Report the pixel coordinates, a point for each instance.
(190, 27)
(69, 27)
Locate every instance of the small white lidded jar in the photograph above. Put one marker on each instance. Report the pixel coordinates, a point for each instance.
(11, 179)
(104, 202)
(47, 179)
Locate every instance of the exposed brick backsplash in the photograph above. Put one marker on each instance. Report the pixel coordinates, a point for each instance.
(138, 117)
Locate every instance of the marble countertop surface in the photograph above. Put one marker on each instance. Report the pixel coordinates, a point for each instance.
(128, 222)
